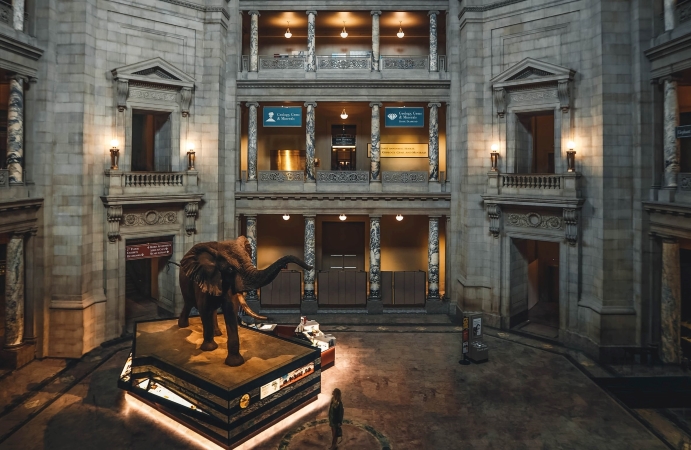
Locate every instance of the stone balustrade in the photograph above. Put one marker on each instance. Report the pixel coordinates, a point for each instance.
(7, 16)
(344, 62)
(404, 62)
(683, 11)
(340, 177)
(282, 63)
(410, 177)
(281, 176)
(150, 183)
(534, 184)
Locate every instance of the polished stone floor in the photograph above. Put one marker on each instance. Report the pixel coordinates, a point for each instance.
(402, 388)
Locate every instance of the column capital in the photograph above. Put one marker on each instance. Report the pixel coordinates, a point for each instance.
(314, 104)
(309, 216)
(375, 104)
(434, 104)
(253, 13)
(375, 216)
(249, 104)
(17, 77)
(429, 13)
(668, 239)
(250, 216)
(311, 12)
(434, 217)
(668, 78)
(375, 13)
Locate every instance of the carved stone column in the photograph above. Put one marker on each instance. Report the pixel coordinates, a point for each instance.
(310, 175)
(15, 130)
(252, 143)
(670, 7)
(433, 259)
(375, 165)
(311, 44)
(18, 15)
(309, 304)
(671, 146)
(433, 56)
(670, 302)
(254, 40)
(14, 292)
(434, 141)
(374, 301)
(252, 239)
(375, 39)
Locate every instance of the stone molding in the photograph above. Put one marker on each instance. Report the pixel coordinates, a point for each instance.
(143, 199)
(205, 9)
(489, 7)
(114, 216)
(571, 226)
(494, 214)
(344, 84)
(148, 218)
(534, 220)
(191, 212)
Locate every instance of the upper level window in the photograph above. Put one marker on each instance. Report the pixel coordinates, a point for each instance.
(535, 142)
(151, 141)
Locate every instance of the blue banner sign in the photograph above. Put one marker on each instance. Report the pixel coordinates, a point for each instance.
(282, 116)
(404, 117)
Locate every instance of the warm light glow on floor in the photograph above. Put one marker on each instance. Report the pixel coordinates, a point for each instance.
(133, 404)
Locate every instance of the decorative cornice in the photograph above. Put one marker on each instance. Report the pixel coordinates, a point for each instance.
(20, 48)
(205, 9)
(674, 209)
(489, 7)
(548, 202)
(344, 84)
(137, 199)
(384, 196)
(14, 205)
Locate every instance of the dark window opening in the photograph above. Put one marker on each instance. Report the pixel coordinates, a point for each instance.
(151, 141)
(343, 144)
(535, 142)
(685, 145)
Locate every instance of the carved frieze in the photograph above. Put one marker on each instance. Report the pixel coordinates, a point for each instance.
(150, 218)
(532, 96)
(153, 95)
(534, 220)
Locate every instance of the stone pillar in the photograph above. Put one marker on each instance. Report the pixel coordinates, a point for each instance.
(254, 41)
(14, 292)
(434, 304)
(433, 57)
(310, 175)
(375, 173)
(15, 130)
(252, 143)
(671, 146)
(309, 304)
(311, 45)
(18, 15)
(375, 39)
(374, 302)
(252, 238)
(670, 302)
(434, 141)
(670, 7)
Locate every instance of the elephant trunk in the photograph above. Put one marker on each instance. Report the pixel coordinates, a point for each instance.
(255, 279)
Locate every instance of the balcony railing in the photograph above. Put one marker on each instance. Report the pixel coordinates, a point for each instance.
(534, 184)
(4, 178)
(281, 176)
(684, 182)
(416, 177)
(150, 183)
(282, 63)
(404, 62)
(683, 11)
(344, 62)
(324, 62)
(340, 177)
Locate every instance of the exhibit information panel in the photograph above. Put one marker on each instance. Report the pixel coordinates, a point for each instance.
(225, 404)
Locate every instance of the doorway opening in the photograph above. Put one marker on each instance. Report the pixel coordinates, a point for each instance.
(534, 291)
(685, 272)
(535, 142)
(149, 282)
(343, 145)
(151, 141)
(342, 280)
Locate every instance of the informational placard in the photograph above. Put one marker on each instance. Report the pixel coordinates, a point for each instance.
(477, 326)
(404, 117)
(282, 116)
(400, 150)
(286, 380)
(465, 335)
(151, 250)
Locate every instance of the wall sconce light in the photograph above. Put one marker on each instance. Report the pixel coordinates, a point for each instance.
(344, 33)
(114, 155)
(400, 33)
(190, 156)
(399, 217)
(494, 155)
(344, 114)
(286, 216)
(288, 33)
(342, 217)
(571, 156)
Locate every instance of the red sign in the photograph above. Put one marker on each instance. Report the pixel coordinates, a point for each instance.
(152, 250)
(465, 335)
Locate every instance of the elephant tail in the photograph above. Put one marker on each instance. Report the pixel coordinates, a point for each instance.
(247, 309)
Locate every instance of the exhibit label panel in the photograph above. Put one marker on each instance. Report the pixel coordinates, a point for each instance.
(400, 150)
(282, 116)
(151, 250)
(404, 117)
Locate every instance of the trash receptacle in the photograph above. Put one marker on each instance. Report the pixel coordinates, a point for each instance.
(477, 350)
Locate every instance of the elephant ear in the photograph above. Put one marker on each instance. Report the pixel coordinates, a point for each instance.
(201, 265)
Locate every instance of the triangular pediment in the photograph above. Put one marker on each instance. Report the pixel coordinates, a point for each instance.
(531, 71)
(156, 70)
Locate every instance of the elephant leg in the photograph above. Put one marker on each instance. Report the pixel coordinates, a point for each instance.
(217, 330)
(230, 312)
(183, 321)
(206, 311)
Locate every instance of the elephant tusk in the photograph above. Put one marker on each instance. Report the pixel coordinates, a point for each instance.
(247, 309)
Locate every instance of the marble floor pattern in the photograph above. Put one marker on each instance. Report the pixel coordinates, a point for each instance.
(402, 381)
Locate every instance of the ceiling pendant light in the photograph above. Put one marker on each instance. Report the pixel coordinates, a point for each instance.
(286, 216)
(344, 114)
(288, 33)
(400, 33)
(399, 217)
(344, 33)
(342, 217)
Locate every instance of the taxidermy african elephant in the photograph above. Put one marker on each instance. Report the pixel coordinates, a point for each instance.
(214, 274)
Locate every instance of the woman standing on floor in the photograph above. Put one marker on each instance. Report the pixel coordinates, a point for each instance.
(335, 417)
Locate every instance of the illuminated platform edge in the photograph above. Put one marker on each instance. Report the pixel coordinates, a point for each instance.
(215, 413)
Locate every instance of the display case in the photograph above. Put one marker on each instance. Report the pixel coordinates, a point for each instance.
(228, 405)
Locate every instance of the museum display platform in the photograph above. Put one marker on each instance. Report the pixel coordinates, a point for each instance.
(227, 405)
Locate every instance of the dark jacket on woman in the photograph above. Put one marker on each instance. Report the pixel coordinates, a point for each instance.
(335, 414)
